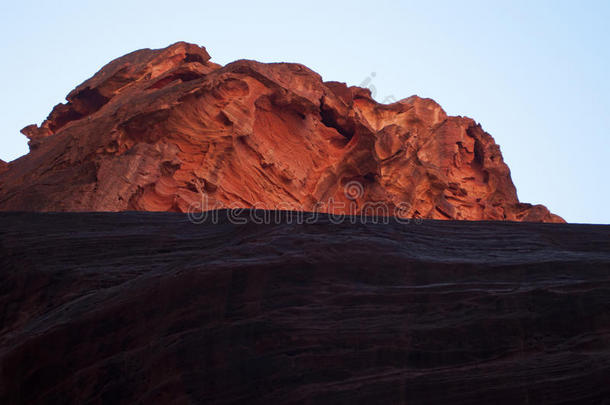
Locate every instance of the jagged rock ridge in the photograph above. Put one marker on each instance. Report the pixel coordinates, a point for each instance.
(168, 130)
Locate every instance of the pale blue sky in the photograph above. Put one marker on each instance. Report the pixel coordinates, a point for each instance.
(533, 73)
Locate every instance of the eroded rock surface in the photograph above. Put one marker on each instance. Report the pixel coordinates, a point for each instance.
(125, 308)
(168, 130)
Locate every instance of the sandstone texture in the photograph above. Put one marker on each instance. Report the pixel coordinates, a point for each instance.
(168, 130)
(149, 308)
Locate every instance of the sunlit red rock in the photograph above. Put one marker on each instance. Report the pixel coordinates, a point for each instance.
(168, 130)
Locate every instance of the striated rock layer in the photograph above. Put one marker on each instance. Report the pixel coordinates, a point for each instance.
(149, 308)
(168, 130)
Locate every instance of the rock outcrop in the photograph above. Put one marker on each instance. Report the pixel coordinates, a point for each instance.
(3, 165)
(168, 130)
(149, 308)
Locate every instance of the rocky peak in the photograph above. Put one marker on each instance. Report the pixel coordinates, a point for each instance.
(168, 130)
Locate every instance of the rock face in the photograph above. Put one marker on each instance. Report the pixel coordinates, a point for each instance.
(168, 130)
(3, 165)
(149, 308)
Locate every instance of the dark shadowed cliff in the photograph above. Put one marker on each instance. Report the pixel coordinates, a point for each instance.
(150, 308)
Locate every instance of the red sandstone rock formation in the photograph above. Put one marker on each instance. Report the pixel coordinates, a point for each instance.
(164, 130)
(3, 166)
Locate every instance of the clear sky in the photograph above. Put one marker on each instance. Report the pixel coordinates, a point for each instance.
(535, 74)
